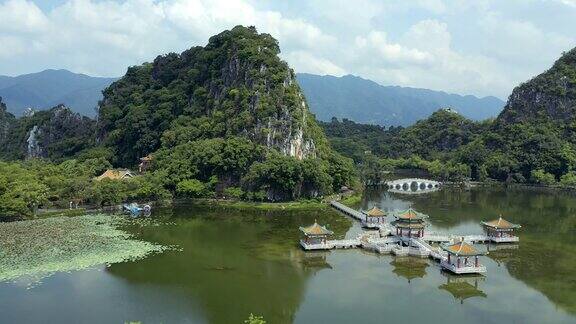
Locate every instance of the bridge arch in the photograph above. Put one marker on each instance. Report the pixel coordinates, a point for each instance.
(413, 184)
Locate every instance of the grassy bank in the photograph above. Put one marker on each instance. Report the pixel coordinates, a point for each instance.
(353, 200)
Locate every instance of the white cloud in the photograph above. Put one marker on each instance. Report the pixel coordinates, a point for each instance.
(19, 16)
(306, 61)
(376, 45)
(481, 47)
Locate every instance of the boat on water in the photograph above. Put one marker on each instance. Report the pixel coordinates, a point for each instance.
(137, 210)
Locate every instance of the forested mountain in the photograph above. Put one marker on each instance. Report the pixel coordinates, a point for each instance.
(57, 134)
(49, 88)
(231, 110)
(224, 120)
(548, 97)
(532, 140)
(365, 101)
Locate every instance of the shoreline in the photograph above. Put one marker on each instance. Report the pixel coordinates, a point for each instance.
(349, 200)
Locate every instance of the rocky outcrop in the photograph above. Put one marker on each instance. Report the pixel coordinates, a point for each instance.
(237, 84)
(548, 96)
(6, 123)
(56, 133)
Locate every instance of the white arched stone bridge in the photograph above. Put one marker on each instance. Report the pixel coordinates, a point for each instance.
(413, 184)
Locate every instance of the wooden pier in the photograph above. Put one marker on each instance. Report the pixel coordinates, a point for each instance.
(347, 210)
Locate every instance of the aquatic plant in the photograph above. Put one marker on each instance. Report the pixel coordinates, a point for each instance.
(254, 319)
(35, 249)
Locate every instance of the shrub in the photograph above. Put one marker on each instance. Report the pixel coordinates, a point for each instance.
(191, 188)
(542, 177)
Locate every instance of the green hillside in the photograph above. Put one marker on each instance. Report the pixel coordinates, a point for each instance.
(533, 140)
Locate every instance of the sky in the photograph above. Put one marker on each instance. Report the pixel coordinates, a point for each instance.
(478, 47)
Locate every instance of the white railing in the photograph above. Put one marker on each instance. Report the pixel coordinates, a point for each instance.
(463, 269)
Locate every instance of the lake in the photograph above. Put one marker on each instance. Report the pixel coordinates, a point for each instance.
(232, 263)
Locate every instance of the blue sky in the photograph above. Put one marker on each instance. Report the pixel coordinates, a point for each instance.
(482, 47)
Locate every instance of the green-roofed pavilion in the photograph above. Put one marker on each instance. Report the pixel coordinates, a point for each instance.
(409, 223)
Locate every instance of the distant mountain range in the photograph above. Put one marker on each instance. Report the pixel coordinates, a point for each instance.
(350, 97)
(46, 89)
(368, 102)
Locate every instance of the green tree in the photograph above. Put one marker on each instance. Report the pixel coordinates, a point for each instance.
(191, 188)
(542, 177)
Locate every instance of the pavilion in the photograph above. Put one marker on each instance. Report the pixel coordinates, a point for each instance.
(500, 231)
(409, 223)
(315, 237)
(374, 215)
(145, 163)
(462, 258)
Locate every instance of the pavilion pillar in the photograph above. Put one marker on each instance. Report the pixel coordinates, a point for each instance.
(476, 262)
(448, 257)
(458, 262)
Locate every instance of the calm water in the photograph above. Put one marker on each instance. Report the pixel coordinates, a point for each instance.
(234, 263)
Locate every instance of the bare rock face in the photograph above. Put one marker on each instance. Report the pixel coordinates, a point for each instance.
(549, 96)
(56, 133)
(34, 150)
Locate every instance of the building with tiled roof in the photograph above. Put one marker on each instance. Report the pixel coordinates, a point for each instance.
(145, 163)
(462, 258)
(316, 230)
(409, 223)
(500, 230)
(115, 175)
(374, 215)
(315, 236)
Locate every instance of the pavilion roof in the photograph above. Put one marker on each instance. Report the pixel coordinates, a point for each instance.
(461, 249)
(410, 215)
(500, 223)
(316, 229)
(375, 212)
(147, 158)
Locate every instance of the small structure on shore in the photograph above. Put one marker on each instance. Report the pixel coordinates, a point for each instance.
(374, 215)
(115, 175)
(501, 231)
(409, 223)
(145, 163)
(462, 258)
(315, 237)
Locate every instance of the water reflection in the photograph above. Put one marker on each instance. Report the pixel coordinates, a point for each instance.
(315, 261)
(233, 262)
(546, 254)
(409, 267)
(463, 287)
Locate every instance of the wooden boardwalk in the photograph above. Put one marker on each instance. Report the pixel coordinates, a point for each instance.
(348, 211)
